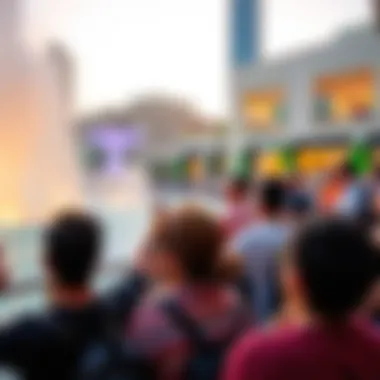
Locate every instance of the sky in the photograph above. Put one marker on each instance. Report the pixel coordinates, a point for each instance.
(126, 48)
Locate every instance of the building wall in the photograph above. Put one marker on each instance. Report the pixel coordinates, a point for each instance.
(297, 74)
(10, 23)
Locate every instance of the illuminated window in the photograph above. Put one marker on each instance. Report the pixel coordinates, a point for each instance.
(269, 164)
(345, 97)
(318, 159)
(264, 109)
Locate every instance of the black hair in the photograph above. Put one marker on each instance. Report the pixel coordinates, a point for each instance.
(337, 263)
(196, 238)
(299, 203)
(273, 196)
(72, 247)
(348, 169)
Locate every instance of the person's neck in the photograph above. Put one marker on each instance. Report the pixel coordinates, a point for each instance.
(294, 313)
(71, 298)
(272, 217)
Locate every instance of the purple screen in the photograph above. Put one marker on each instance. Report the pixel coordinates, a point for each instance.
(114, 142)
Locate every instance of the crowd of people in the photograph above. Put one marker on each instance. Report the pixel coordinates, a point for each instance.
(283, 286)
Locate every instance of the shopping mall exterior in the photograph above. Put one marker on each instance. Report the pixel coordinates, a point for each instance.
(316, 101)
(317, 104)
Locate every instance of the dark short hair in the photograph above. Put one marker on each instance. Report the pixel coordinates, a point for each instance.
(299, 204)
(347, 169)
(196, 238)
(337, 264)
(273, 195)
(72, 247)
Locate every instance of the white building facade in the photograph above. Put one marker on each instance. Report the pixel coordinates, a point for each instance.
(330, 89)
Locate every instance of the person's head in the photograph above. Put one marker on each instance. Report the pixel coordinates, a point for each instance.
(272, 197)
(299, 207)
(331, 267)
(294, 181)
(237, 189)
(72, 246)
(347, 171)
(188, 246)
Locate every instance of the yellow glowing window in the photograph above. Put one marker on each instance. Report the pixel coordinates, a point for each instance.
(269, 164)
(260, 109)
(349, 95)
(314, 160)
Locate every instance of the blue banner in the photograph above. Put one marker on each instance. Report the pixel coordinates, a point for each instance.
(245, 31)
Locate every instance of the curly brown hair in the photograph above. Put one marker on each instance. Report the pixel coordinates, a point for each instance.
(196, 237)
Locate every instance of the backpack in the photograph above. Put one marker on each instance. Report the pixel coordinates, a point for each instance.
(207, 355)
(111, 359)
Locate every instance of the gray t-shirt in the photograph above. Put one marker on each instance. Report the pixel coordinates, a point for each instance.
(355, 200)
(260, 245)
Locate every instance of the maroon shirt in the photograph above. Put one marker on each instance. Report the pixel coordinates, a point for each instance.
(313, 353)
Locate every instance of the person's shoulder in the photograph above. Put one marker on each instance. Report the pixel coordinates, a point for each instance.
(30, 329)
(370, 334)
(267, 234)
(266, 348)
(248, 235)
(149, 327)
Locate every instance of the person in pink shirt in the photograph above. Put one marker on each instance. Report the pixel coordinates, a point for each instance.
(239, 212)
(332, 269)
(188, 250)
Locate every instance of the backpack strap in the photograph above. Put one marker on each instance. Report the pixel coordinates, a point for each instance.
(185, 323)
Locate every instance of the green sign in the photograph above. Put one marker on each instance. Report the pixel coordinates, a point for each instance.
(289, 160)
(361, 157)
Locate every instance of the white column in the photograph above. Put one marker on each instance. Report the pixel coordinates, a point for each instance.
(300, 103)
(10, 23)
(237, 133)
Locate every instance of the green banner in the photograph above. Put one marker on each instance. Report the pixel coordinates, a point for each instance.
(289, 160)
(361, 157)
